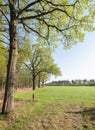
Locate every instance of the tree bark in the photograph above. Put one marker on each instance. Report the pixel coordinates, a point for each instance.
(33, 82)
(33, 85)
(33, 77)
(8, 102)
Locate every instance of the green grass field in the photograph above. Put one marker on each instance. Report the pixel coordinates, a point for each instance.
(54, 108)
(76, 95)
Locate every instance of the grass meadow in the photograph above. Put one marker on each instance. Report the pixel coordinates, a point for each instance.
(54, 108)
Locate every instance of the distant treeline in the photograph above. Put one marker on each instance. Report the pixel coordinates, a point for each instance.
(72, 83)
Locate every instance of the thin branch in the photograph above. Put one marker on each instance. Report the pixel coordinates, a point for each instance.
(39, 62)
(4, 15)
(40, 71)
(27, 66)
(6, 37)
(62, 5)
(4, 42)
(29, 5)
(34, 31)
(35, 57)
(4, 5)
(25, 28)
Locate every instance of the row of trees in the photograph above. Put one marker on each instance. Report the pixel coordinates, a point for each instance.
(34, 65)
(72, 83)
(50, 20)
(40, 63)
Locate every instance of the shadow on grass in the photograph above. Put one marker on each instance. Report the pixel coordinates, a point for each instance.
(86, 112)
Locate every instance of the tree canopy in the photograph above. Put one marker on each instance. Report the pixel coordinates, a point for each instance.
(49, 18)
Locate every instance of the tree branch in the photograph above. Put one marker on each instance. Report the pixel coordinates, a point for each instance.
(33, 31)
(4, 42)
(4, 5)
(27, 66)
(29, 5)
(4, 15)
(43, 14)
(54, 26)
(6, 37)
(61, 5)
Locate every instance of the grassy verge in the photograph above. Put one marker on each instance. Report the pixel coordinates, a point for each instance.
(49, 105)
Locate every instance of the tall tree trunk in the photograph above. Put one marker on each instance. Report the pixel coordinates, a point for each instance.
(33, 85)
(33, 82)
(8, 102)
(33, 77)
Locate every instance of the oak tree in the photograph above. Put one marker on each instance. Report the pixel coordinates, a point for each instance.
(67, 20)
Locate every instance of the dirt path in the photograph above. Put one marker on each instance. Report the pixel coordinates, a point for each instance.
(60, 117)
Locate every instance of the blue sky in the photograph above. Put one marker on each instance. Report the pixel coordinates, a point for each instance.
(79, 61)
